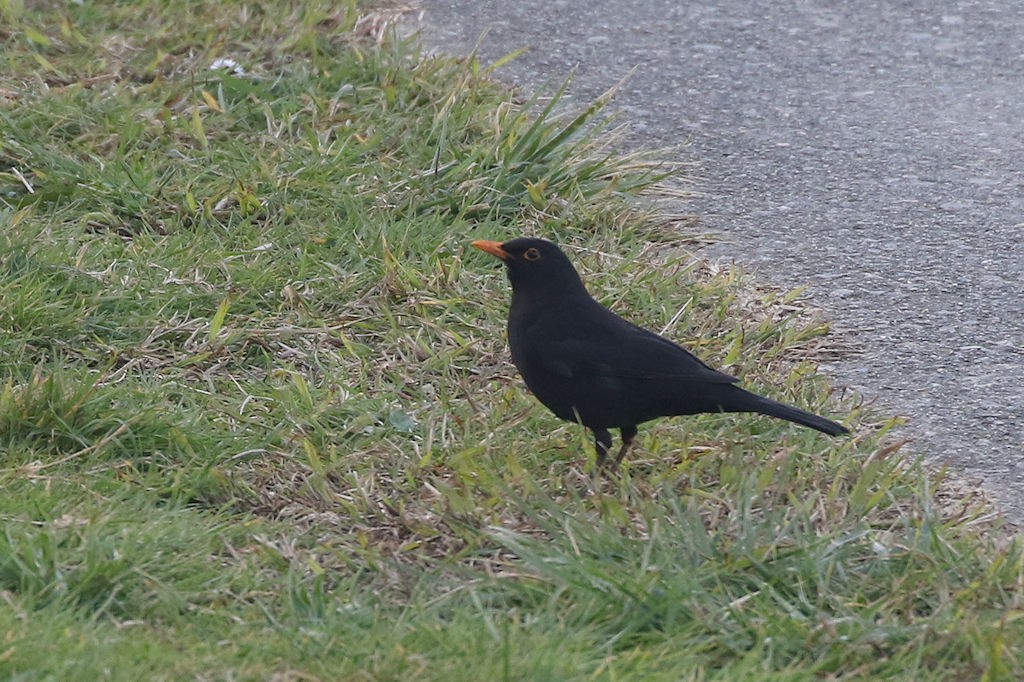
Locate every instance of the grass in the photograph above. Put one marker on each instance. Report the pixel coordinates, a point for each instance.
(258, 419)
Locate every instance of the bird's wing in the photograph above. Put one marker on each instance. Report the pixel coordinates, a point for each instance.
(613, 347)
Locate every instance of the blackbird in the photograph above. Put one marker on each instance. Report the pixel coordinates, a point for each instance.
(588, 365)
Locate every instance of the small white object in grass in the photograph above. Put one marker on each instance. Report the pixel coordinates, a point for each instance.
(28, 185)
(264, 247)
(227, 64)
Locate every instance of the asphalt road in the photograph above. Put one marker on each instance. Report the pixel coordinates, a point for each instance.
(874, 151)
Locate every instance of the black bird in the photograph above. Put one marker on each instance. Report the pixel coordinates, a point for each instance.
(588, 365)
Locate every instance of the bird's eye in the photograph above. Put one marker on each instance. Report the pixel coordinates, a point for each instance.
(531, 254)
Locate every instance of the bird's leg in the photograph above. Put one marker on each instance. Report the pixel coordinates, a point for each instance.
(628, 434)
(603, 445)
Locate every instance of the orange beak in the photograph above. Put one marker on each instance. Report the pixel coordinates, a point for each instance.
(493, 248)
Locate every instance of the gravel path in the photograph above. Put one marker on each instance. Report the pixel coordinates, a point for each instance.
(874, 151)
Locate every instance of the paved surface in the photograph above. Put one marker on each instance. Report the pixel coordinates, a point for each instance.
(872, 150)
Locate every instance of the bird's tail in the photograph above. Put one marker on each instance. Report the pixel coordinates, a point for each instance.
(763, 405)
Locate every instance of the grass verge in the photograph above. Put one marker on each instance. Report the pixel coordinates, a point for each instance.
(257, 418)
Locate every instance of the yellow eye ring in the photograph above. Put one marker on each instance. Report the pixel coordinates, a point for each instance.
(531, 254)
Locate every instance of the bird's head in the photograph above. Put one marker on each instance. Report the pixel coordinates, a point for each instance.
(535, 265)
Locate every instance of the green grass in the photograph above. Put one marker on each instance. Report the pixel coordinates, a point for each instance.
(257, 418)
